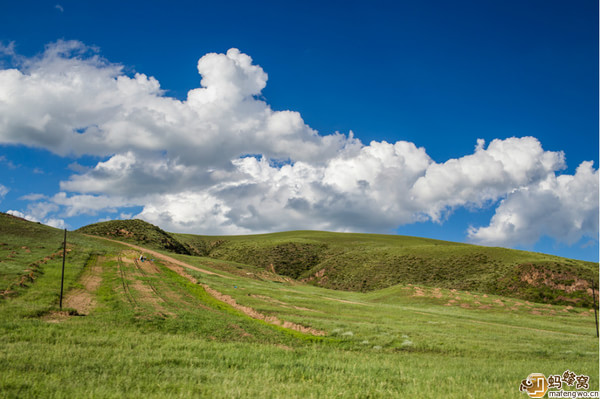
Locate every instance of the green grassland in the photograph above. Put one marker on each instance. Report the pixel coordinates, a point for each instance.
(152, 332)
(367, 262)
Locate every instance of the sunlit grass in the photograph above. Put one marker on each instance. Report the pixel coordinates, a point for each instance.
(402, 341)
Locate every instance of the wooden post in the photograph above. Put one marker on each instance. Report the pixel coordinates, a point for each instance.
(62, 277)
(595, 312)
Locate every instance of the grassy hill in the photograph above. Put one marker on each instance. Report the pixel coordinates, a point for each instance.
(136, 231)
(197, 326)
(367, 262)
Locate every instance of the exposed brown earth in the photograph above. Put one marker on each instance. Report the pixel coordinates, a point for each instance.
(141, 290)
(82, 299)
(162, 257)
(257, 315)
(30, 274)
(538, 277)
(178, 267)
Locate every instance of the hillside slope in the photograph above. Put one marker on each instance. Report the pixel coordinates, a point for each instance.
(136, 231)
(181, 326)
(367, 262)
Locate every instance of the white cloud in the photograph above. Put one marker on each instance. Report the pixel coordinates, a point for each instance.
(88, 204)
(485, 175)
(53, 222)
(8, 163)
(72, 103)
(21, 215)
(564, 208)
(58, 223)
(7, 49)
(33, 197)
(186, 210)
(222, 161)
(3, 191)
(374, 188)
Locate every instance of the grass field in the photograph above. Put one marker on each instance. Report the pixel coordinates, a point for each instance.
(367, 262)
(192, 326)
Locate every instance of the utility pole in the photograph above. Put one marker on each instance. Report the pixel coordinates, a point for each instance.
(62, 277)
(595, 312)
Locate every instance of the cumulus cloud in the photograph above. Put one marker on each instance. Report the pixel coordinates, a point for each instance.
(71, 101)
(562, 207)
(3, 191)
(373, 188)
(88, 204)
(222, 161)
(485, 175)
(53, 222)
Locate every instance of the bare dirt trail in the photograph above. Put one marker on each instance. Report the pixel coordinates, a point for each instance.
(162, 256)
(144, 290)
(259, 316)
(178, 266)
(346, 301)
(139, 289)
(82, 299)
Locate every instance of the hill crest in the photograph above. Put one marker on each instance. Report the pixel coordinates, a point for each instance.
(368, 262)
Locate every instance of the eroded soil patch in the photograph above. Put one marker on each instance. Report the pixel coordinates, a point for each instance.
(257, 315)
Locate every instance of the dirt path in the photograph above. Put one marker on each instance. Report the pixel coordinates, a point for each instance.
(177, 266)
(144, 289)
(82, 299)
(158, 255)
(257, 315)
(141, 285)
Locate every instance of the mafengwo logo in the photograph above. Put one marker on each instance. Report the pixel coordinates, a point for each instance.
(535, 385)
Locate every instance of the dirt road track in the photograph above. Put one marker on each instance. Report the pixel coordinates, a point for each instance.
(162, 256)
(219, 296)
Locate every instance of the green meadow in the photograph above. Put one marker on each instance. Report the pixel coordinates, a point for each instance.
(214, 317)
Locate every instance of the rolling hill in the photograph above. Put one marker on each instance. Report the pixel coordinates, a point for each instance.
(181, 325)
(367, 262)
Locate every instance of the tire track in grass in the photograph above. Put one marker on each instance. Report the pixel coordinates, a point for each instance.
(82, 299)
(125, 283)
(490, 323)
(177, 266)
(144, 289)
(259, 316)
(148, 280)
(162, 256)
(159, 293)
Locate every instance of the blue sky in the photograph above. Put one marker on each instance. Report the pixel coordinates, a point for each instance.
(409, 87)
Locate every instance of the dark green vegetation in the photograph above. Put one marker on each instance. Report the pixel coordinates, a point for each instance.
(136, 231)
(150, 331)
(367, 262)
